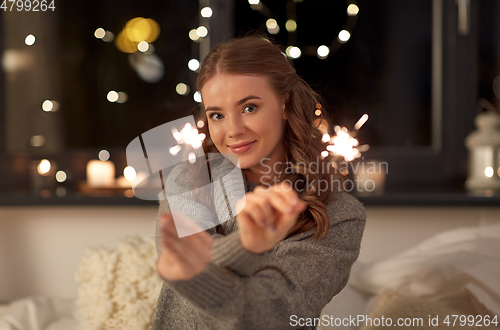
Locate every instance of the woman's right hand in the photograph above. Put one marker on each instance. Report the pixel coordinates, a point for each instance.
(267, 216)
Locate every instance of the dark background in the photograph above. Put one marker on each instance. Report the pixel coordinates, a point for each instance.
(384, 70)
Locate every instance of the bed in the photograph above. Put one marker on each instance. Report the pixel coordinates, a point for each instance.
(453, 273)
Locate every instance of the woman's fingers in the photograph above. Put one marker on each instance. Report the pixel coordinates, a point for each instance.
(259, 209)
(183, 258)
(283, 199)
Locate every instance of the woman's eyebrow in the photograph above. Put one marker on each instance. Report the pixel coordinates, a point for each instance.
(240, 102)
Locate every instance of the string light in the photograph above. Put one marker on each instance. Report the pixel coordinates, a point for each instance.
(37, 140)
(143, 46)
(206, 12)
(61, 176)
(202, 31)
(344, 36)
(122, 97)
(112, 96)
(323, 51)
(103, 155)
(193, 35)
(352, 10)
(197, 97)
(43, 167)
(272, 26)
(129, 173)
(182, 89)
(99, 33)
(193, 64)
(293, 51)
(50, 106)
(29, 40)
(291, 26)
(108, 36)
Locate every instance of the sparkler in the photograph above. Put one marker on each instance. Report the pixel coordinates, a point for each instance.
(343, 143)
(187, 135)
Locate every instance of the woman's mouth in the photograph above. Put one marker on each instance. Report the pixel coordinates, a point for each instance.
(242, 147)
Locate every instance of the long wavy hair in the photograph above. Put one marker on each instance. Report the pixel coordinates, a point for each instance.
(302, 144)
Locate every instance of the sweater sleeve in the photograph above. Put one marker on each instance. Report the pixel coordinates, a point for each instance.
(297, 282)
(227, 250)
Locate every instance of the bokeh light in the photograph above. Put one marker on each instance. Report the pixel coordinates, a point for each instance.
(202, 31)
(344, 36)
(61, 176)
(182, 89)
(193, 35)
(193, 64)
(352, 10)
(122, 97)
(293, 51)
(206, 12)
(30, 40)
(47, 105)
(137, 30)
(99, 33)
(323, 51)
(143, 46)
(197, 97)
(129, 173)
(489, 171)
(291, 25)
(112, 96)
(103, 155)
(43, 167)
(142, 29)
(37, 140)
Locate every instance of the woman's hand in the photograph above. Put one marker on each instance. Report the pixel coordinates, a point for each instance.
(182, 258)
(267, 216)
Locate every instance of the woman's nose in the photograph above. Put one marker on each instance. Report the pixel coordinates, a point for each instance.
(236, 127)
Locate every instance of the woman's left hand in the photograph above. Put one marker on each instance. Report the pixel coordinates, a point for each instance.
(182, 258)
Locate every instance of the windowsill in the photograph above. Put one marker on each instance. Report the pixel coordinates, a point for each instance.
(430, 199)
(388, 199)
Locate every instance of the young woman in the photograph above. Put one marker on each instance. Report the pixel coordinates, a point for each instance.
(290, 249)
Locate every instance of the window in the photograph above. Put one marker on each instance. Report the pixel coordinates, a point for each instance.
(405, 64)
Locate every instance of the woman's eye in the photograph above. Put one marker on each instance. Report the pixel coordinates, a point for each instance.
(216, 116)
(250, 108)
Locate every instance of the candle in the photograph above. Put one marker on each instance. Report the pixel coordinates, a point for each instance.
(100, 173)
(370, 177)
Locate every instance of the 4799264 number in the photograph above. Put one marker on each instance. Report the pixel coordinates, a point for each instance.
(28, 5)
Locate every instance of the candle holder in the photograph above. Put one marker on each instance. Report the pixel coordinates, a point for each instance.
(484, 155)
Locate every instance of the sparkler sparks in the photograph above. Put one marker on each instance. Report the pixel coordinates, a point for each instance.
(187, 135)
(344, 144)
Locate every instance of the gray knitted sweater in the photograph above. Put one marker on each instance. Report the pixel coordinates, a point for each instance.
(242, 290)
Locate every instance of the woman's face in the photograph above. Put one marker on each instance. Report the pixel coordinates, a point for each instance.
(245, 118)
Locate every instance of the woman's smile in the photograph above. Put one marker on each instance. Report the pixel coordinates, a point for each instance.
(239, 148)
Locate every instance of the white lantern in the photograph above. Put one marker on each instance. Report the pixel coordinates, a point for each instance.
(484, 155)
